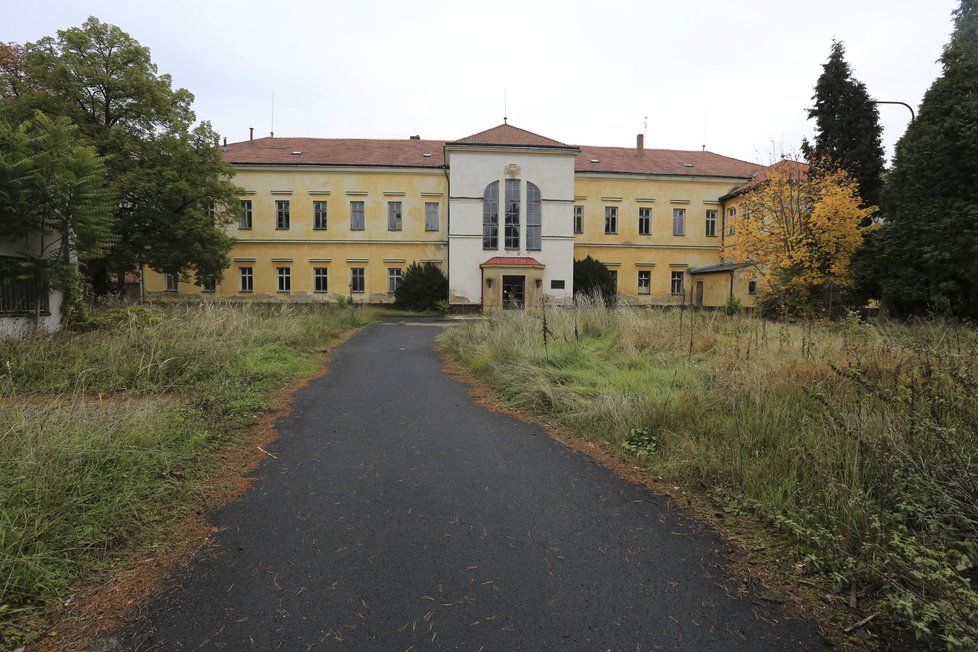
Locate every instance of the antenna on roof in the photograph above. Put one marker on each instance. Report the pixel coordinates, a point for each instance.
(505, 111)
(272, 130)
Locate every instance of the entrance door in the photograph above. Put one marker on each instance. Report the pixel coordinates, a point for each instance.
(699, 294)
(513, 292)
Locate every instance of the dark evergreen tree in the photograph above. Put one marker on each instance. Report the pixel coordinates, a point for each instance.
(847, 127)
(928, 243)
(591, 277)
(421, 287)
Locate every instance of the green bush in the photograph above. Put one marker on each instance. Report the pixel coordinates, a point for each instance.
(592, 278)
(421, 288)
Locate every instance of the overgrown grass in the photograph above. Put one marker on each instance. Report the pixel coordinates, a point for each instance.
(105, 433)
(859, 440)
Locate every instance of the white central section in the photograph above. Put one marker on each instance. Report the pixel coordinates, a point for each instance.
(471, 169)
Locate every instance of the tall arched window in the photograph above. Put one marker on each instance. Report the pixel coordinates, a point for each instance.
(533, 217)
(512, 214)
(490, 216)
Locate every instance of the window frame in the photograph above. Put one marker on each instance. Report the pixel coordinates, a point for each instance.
(646, 276)
(534, 217)
(752, 287)
(678, 220)
(432, 208)
(22, 293)
(611, 220)
(680, 277)
(358, 210)
(511, 228)
(320, 279)
(283, 217)
(712, 217)
(578, 218)
(283, 276)
(208, 285)
(320, 215)
(645, 220)
(393, 279)
(394, 213)
(246, 219)
(358, 280)
(490, 217)
(249, 274)
(170, 282)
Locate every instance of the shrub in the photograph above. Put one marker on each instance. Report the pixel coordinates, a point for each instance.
(591, 277)
(421, 288)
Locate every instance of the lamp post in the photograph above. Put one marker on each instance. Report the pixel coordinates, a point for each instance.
(913, 116)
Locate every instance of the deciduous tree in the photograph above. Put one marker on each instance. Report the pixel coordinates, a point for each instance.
(928, 242)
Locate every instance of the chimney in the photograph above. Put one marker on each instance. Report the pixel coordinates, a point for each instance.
(251, 134)
(225, 143)
(640, 144)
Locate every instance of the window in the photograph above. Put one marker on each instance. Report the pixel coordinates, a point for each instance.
(431, 216)
(393, 278)
(512, 242)
(171, 282)
(210, 209)
(614, 279)
(752, 286)
(247, 279)
(578, 219)
(731, 212)
(246, 214)
(490, 216)
(679, 221)
(711, 224)
(611, 219)
(284, 279)
(356, 216)
(393, 216)
(208, 285)
(319, 215)
(677, 282)
(356, 279)
(645, 221)
(282, 214)
(534, 224)
(557, 284)
(320, 279)
(21, 293)
(644, 281)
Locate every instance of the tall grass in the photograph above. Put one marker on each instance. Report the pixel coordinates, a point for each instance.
(105, 433)
(858, 439)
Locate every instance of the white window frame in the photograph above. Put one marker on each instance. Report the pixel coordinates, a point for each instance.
(645, 221)
(534, 217)
(578, 219)
(284, 278)
(170, 282)
(358, 218)
(676, 282)
(644, 281)
(320, 215)
(283, 219)
(393, 278)
(394, 216)
(679, 221)
(358, 280)
(247, 215)
(431, 217)
(320, 279)
(247, 276)
(711, 223)
(611, 220)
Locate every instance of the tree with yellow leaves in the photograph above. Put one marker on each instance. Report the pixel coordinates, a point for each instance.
(800, 230)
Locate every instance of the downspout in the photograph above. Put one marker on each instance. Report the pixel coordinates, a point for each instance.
(448, 225)
(731, 284)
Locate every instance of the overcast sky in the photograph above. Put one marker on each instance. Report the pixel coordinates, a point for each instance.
(735, 76)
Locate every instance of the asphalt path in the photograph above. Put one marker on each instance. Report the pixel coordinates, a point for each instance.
(398, 512)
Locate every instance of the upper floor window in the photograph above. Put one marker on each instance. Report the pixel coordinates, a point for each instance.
(490, 216)
(679, 221)
(246, 214)
(356, 216)
(534, 217)
(512, 234)
(611, 219)
(393, 216)
(431, 216)
(711, 223)
(578, 219)
(282, 214)
(644, 221)
(319, 215)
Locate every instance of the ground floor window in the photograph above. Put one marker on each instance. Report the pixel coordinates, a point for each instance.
(356, 279)
(208, 285)
(171, 282)
(677, 282)
(284, 279)
(320, 279)
(393, 278)
(247, 279)
(21, 293)
(644, 282)
(752, 286)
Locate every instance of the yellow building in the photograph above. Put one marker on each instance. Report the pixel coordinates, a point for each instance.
(503, 212)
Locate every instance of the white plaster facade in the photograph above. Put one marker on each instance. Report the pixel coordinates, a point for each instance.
(471, 169)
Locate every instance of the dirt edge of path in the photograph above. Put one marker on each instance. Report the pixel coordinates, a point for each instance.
(116, 596)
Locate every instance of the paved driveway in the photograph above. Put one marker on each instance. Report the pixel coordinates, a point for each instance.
(400, 515)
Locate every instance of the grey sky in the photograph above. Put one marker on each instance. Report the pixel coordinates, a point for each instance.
(737, 76)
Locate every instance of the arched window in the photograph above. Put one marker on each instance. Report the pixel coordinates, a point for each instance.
(490, 216)
(512, 214)
(533, 217)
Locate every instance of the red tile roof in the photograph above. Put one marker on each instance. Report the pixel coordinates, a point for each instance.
(786, 167)
(512, 261)
(507, 134)
(661, 161)
(338, 151)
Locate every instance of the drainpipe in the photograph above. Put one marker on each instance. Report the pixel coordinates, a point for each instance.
(448, 227)
(731, 283)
